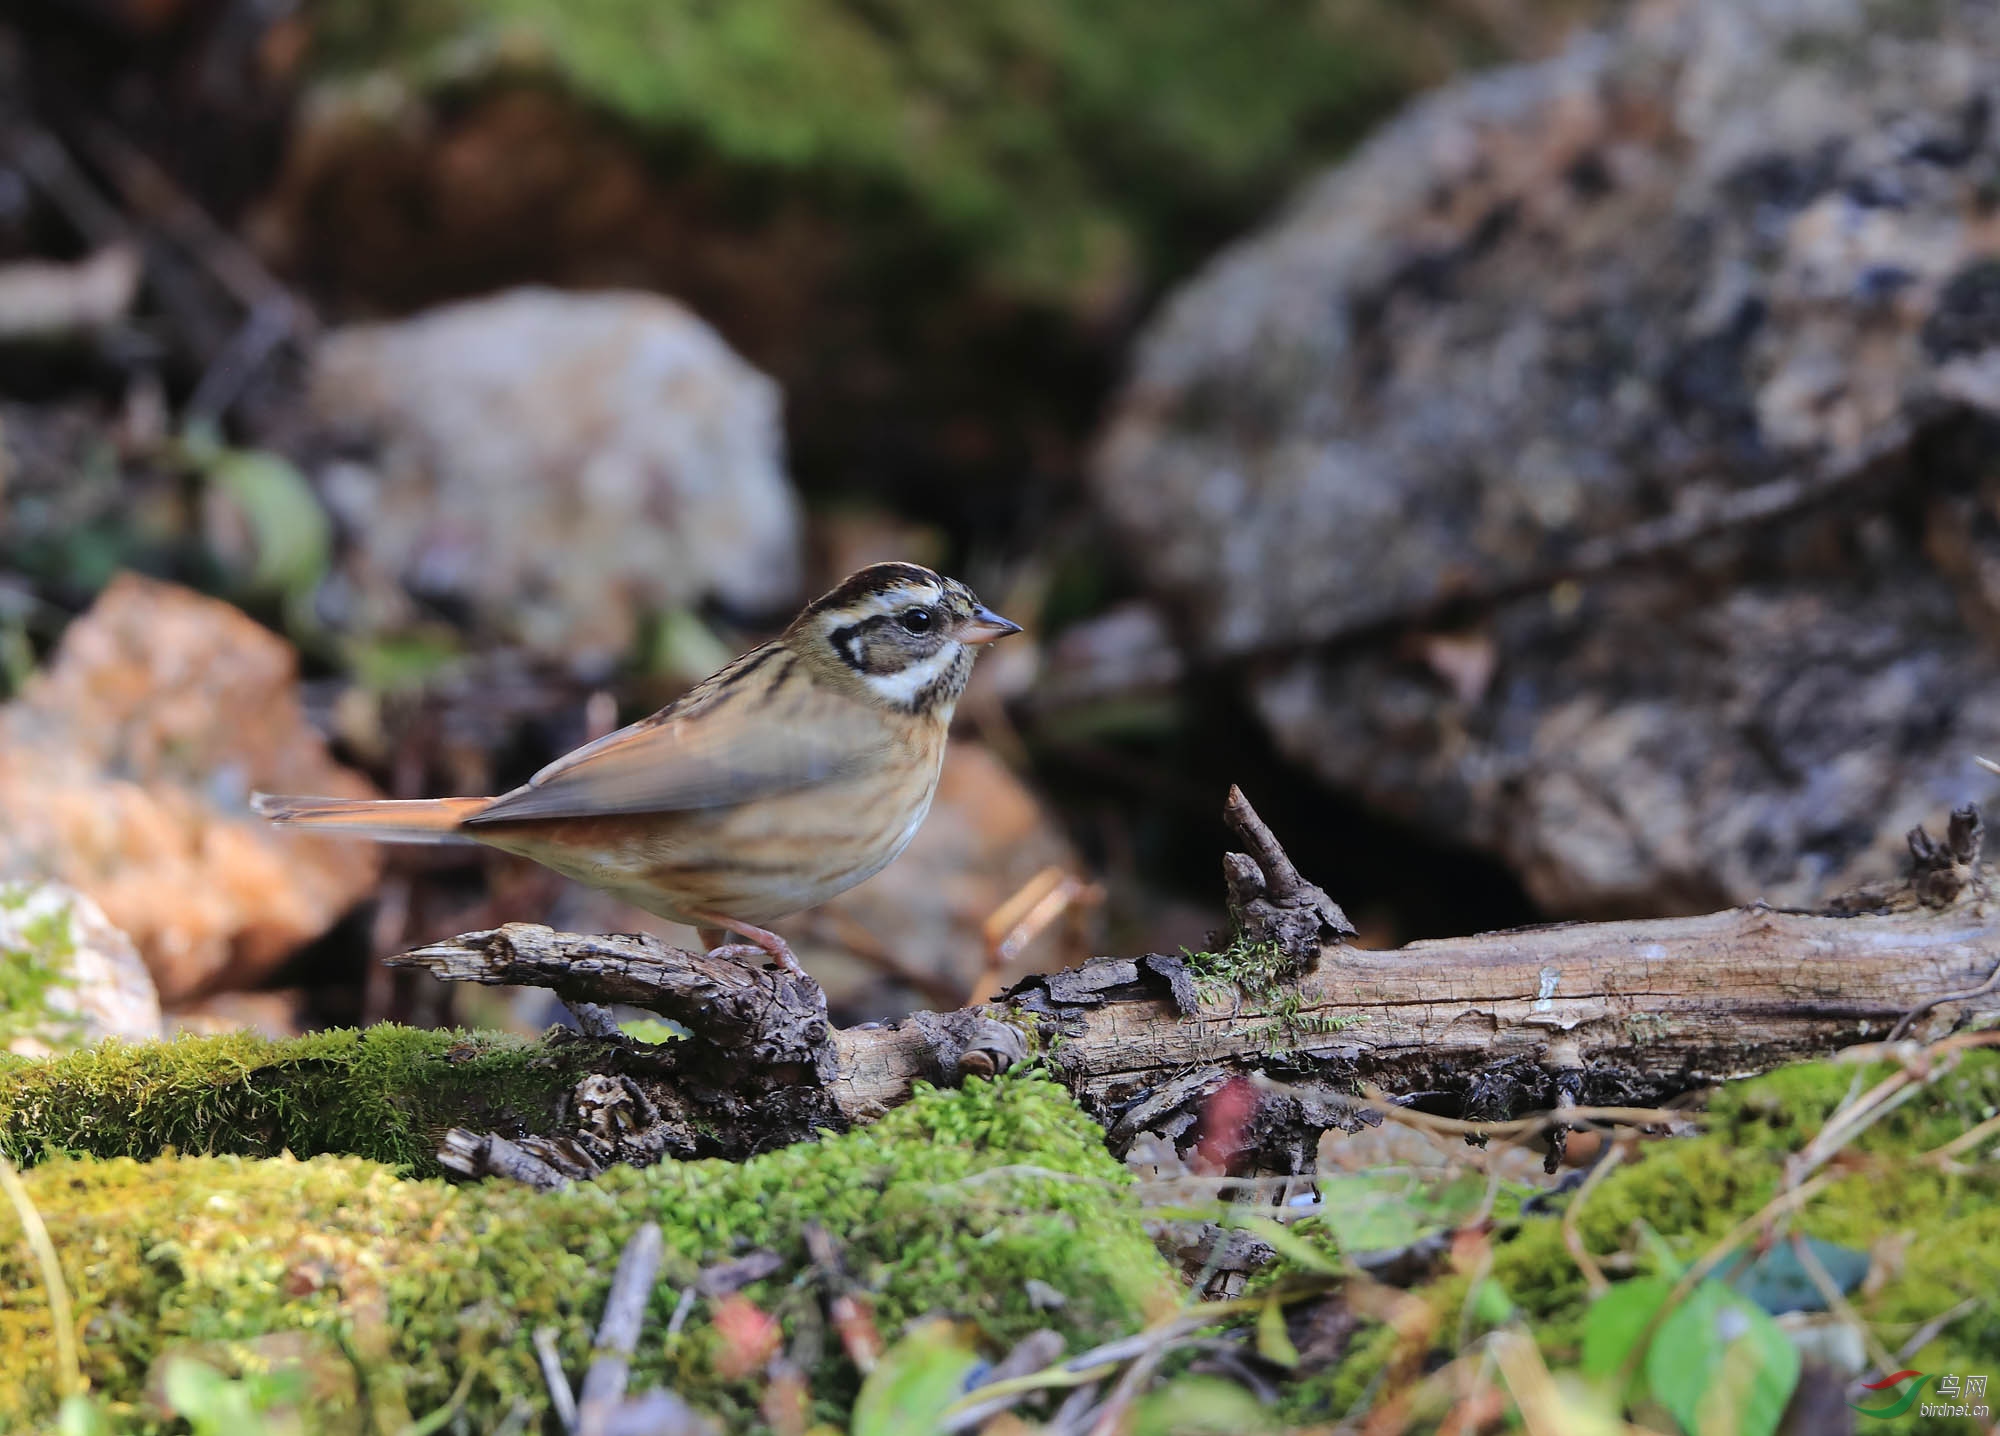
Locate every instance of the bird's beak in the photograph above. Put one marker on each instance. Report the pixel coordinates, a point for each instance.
(985, 625)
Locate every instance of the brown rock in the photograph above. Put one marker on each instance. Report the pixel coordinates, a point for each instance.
(125, 769)
(1598, 462)
(563, 464)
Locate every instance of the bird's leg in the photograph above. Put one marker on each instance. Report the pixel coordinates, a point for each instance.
(713, 925)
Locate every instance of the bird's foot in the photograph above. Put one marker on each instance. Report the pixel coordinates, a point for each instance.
(763, 943)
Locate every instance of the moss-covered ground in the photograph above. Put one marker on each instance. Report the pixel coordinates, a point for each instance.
(431, 1292)
(415, 1294)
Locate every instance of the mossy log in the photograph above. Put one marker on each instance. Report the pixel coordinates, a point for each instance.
(1486, 1027)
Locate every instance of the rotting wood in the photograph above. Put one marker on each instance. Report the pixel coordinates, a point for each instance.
(1484, 1027)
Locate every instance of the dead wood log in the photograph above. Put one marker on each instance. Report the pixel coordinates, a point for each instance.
(1486, 1027)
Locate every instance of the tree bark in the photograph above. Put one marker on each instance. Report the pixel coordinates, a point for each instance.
(1485, 1027)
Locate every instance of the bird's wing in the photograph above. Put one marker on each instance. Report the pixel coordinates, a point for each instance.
(752, 730)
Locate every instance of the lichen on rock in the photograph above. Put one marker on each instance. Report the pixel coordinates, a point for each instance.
(1596, 460)
(952, 1203)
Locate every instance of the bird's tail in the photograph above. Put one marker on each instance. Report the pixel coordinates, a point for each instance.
(417, 820)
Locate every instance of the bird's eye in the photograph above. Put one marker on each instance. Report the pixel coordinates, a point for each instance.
(918, 620)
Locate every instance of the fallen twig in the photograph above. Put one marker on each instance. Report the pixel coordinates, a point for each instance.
(561, 1398)
(1593, 1274)
(618, 1333)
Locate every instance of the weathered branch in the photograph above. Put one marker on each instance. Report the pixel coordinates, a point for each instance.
(1484, 1027)
(759, 1015)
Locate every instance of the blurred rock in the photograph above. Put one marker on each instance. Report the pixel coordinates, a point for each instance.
(41, 299)
(987, 834)
(269, 1014)
(1716, 288)
(563, 465)
(125, 768)
(844, 540)
(67, 975)
(1125, 652)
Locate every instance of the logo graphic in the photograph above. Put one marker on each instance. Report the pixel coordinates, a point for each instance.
(1900, 1404)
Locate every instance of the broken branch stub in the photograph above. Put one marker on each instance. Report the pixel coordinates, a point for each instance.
(1269, 902)
(1944, 869)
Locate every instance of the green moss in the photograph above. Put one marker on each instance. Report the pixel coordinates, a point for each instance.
(387, 1093)
(1257, 973)
(949, 1204)
(31, 968)
(1690, 1192)
(1255, 970)
(1057, 141)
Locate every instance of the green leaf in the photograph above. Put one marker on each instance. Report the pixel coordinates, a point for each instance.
(1199, 1406)
(1274, 1343)
(914, 1382)
(1491, 1304)
(210, 1401)
(684, 647)
(1779, 1282)
(294, 536)
(1664, 1261)
(82, 1416)
(1719, 1362)
(401, 662)
(215, 1404)
(652, 1029)
(1383, 1211)
(1617, 1320)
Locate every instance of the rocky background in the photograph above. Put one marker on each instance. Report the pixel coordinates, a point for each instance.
(1577, 500)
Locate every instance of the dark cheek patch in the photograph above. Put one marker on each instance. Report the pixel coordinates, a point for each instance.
(847, 642)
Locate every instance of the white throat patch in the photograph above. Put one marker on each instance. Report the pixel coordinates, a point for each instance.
(902, 687)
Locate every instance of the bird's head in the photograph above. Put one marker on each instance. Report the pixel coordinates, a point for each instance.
(899, 635)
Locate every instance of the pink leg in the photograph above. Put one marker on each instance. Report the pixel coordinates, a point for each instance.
(763, 943)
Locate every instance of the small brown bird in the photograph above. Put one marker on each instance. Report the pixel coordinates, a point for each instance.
(792, 774)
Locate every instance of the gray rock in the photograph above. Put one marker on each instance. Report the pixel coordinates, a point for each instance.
(563, 464)
(1595, 464)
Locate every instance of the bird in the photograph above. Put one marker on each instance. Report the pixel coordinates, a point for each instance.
(789, 775)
